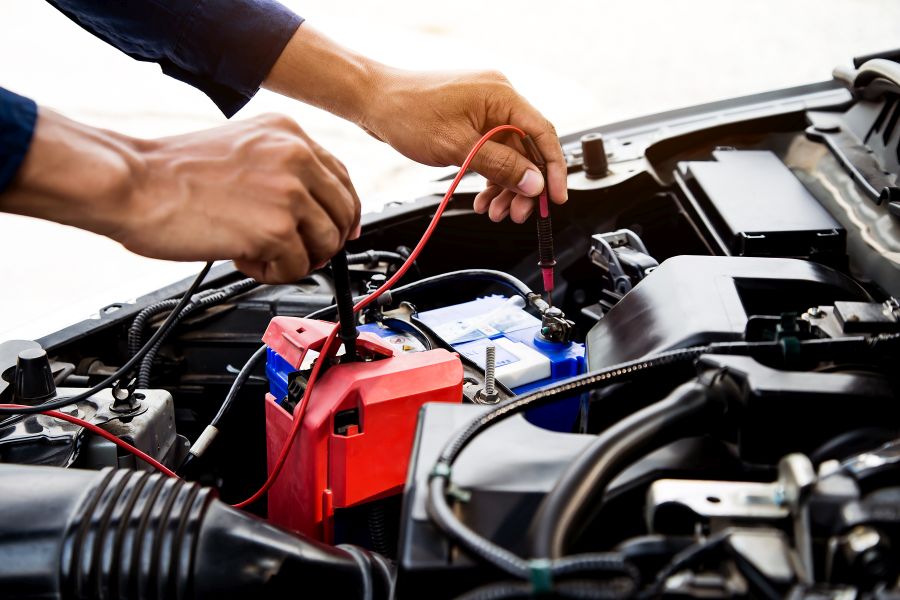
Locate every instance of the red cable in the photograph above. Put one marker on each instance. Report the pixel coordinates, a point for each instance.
(313, 376)
(103, 433)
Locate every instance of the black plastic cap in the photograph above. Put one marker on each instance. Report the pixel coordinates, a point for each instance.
(593, 152)
(33, 379)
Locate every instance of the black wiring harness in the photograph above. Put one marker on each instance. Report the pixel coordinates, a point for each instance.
(199, 302)
(122, 372)
(584, 481)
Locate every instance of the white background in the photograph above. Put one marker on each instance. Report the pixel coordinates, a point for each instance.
(583, 63)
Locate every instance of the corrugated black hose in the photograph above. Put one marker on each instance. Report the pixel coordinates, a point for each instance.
(199, 302)
(122, 534)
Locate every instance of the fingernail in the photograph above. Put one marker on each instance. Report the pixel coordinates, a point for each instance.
(531, 183)
(356, 232)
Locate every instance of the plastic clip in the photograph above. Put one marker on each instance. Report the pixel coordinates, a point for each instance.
(541, 576)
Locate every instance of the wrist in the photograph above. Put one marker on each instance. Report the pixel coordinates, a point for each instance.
(76, 175)
(316, 70)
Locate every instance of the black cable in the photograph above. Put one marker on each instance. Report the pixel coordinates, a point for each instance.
(617, 373)
(340, 274)
(136, 330)
(371, 256)
(125, 369)
(683, 559)
(580, 589)
(205, 439)
(454, 277)
(365, 571)
(200, 301)
(584, 480)
(444, 517)
(438, 508)
(502, 590)
(239, 381)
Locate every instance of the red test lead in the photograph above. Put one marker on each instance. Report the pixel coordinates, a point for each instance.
(546, 258)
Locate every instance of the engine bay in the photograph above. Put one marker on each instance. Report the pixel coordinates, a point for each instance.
(707, 406)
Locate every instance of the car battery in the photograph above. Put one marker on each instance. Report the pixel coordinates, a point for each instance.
(524, 360)
(357, 432)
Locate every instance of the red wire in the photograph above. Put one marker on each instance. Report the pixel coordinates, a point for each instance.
(103, 433)
(301, 407)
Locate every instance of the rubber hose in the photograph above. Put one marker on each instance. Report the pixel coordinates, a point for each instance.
(584, 481)
(121, 534)
(439, 510)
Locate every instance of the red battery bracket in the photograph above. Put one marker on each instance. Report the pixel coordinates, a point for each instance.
(356, 437)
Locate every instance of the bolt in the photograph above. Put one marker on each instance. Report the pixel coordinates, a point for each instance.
(488, 394)
(490, 370)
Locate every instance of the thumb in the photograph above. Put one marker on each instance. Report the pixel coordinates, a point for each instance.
(500, 164)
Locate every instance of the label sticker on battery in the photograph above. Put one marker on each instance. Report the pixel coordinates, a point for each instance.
(505, 316)
(475, 352)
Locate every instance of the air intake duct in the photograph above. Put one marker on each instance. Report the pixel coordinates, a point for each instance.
(120, 534)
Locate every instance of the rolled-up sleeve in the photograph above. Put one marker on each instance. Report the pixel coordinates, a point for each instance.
(225, 48)
(17, 119)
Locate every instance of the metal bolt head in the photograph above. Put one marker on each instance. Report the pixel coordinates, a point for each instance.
(862, 539)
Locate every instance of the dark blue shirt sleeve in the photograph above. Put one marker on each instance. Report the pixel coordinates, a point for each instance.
(225, 48)
(17, 119)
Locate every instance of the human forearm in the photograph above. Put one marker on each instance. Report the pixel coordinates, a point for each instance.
(316, 70)
(258, 191)
(75, 174)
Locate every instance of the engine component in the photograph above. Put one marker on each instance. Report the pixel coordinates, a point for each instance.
(32, 379)
(526, 358)
(758, 208)
(794, 396)
(593, 153)
(353, 438)
(693, 300)
(148, 424)
(623, 257)
(125, 534)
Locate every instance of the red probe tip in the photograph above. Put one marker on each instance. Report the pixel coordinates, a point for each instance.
(547, 273)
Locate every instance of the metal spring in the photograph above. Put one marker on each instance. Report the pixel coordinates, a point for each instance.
(546, 257)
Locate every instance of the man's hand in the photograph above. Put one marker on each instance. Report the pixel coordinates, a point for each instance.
(433, 118)
(444, 114)
(258, 191)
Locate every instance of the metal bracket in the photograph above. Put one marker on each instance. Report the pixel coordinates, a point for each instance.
(856, 158)
(623, 255)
